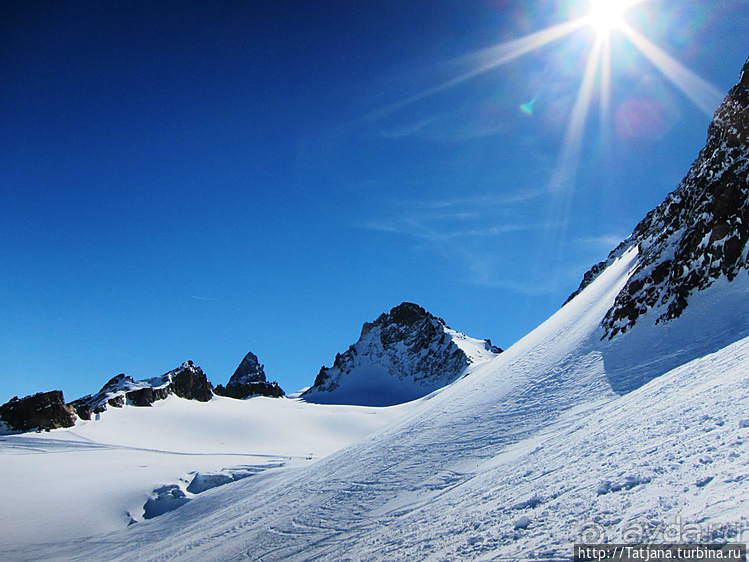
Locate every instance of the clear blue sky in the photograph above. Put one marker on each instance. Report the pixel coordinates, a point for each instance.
(195, 180)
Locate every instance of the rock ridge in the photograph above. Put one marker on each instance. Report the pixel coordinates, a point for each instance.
(249, 380)
(699, 234)
(406, 346)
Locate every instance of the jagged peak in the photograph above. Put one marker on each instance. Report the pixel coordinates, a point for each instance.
(404, 315)
(408, 348)
(186, 381)
(698, 234)
(249, 370)
(249, 380)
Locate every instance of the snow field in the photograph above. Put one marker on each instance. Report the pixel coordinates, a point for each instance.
(96, 477)
(359, 498)
(519, 459)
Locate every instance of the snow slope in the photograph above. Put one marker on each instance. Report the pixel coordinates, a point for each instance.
(624, 417)
(529, 453)
(96, 477)
(345, 501)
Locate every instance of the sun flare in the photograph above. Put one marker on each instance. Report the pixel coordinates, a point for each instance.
(604, 18)
(607, 15)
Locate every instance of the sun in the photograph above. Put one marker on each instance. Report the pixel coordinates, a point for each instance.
(607, 15)
(604, 17)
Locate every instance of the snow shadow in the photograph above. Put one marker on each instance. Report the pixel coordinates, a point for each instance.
(172, 496)
(714, 319)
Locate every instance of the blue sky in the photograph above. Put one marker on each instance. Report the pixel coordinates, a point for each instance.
(195, 180)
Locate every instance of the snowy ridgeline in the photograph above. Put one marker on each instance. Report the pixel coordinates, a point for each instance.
(532, 452)
(622, 418)
(404, 355)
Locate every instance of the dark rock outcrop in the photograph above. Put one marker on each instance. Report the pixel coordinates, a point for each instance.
(49, 411)
(121, 390)
(699, 234)
(249, 380)
(189, 382)
(249, 370)
(44, 410)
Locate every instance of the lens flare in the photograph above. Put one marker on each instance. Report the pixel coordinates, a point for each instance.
(705, 96)
(607, 15)
(527, 108)
(635, 120)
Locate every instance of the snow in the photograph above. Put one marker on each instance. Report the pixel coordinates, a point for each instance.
(715, 316)
(372, 385)
(97, 476)
(547, 444)
(476, 350)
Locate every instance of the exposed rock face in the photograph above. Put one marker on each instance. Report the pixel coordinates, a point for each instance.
(249, 370)
(44, 410)
(406, 351)
(188, 381)
(698, 234)
(48, 410)
(249, 380)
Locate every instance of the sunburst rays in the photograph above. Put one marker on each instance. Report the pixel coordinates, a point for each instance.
(606, 17)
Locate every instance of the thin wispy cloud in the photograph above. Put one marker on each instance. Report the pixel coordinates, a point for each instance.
(419, 230)
(539, 287)
(483, 200)
(605, 241)
(440, 220)
(469, 123)
(469, 233)
(407, 130)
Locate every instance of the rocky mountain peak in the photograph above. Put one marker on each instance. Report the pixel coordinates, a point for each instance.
(188, 381)
(249, 380)
(698, 234)
(249, 370)
(404, 354)
(406, 314)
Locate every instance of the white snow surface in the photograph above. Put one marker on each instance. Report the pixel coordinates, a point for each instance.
(95, 477)
(528, 454)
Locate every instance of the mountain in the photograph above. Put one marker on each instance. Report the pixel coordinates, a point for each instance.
(187, 381)
(576, 433)
(48, 410)
(249, 380)
(403, 355)
(692, 247)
